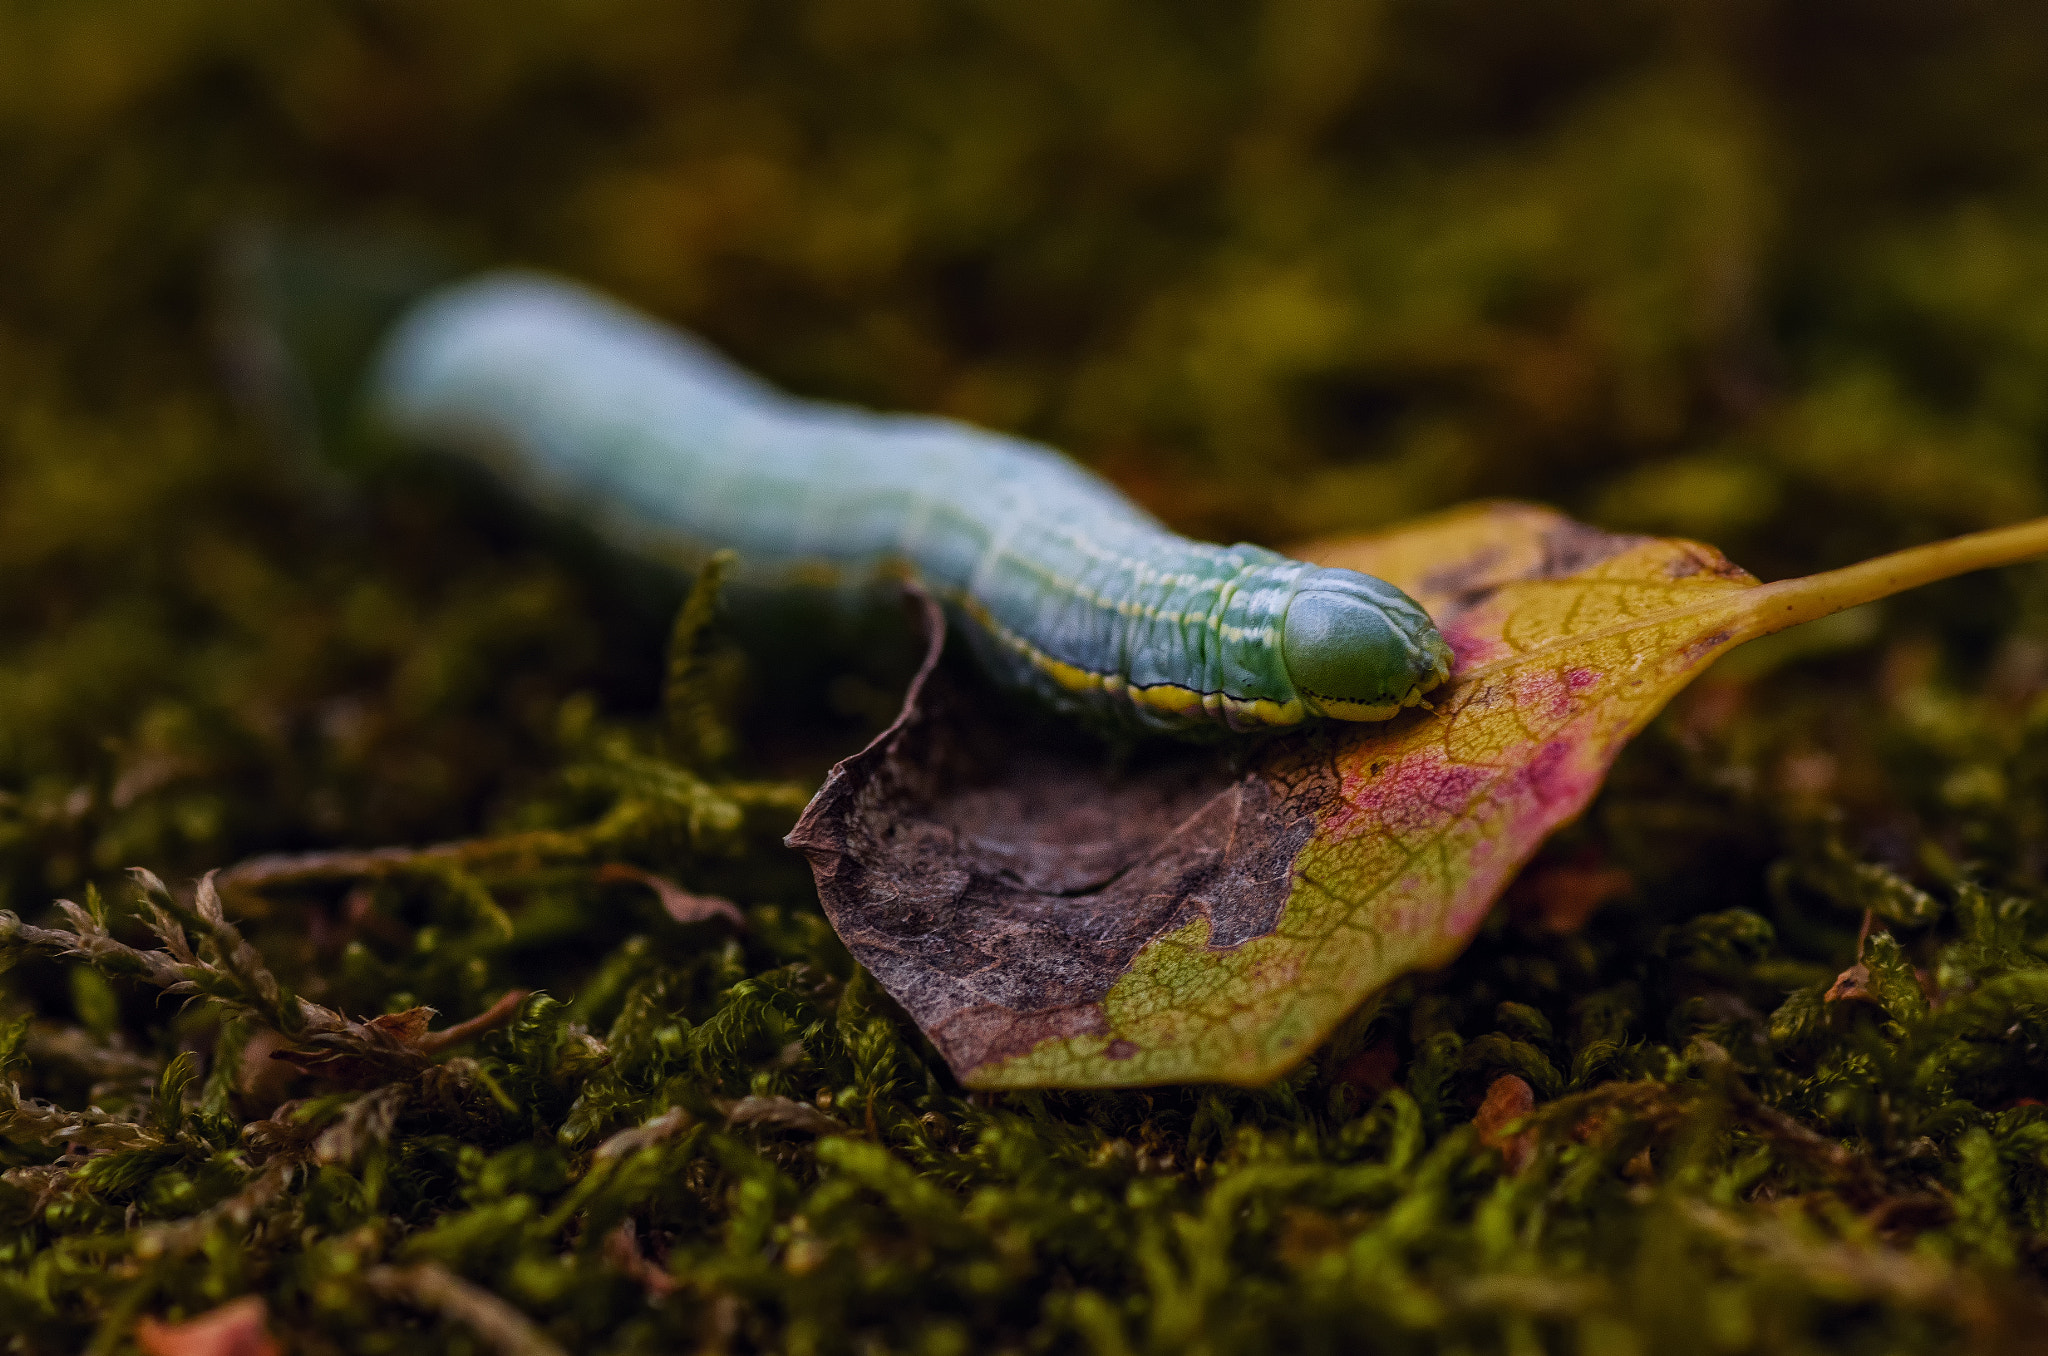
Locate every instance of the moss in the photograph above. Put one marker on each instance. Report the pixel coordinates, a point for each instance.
(1771, 275)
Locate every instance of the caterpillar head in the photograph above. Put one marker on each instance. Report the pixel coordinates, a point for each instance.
(1357, 648)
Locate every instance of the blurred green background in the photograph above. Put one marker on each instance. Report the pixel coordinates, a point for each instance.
(1771, 274)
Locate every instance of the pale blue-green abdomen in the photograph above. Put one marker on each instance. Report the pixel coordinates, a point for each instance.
(1066, 588)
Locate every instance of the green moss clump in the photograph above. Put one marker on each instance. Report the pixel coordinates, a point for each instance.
(1772, 275)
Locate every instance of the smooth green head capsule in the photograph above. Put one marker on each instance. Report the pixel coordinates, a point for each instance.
(1357, 648)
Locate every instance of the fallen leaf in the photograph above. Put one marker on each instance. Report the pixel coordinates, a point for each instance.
(235, 1329)
(677, 902)
(781, 1113)
(1851, 986)
(397, 1044)
(407, 1027)
(1053, 919)
(632, 1140)
(1509, 1100)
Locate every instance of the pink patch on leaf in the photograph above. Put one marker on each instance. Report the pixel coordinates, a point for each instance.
(1551, 696)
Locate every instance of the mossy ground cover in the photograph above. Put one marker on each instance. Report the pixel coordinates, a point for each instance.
(1771, 275)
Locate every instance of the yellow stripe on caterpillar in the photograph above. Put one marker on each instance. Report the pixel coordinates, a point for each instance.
(1265, 711)
(1168, 697)
(1171, 698)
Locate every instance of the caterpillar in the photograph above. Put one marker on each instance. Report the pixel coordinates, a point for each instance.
(1065, 589)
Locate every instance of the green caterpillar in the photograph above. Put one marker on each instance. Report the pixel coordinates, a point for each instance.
(1065, 588)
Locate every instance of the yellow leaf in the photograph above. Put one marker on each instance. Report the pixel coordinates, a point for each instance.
(1051, 923)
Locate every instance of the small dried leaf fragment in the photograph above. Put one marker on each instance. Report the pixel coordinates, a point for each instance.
(1852, 986)
(781, 1113)
(407, 1028)
(237, 1328)
(1052, 921)
(1509, 1100)
(676, 902)
(396, 1044)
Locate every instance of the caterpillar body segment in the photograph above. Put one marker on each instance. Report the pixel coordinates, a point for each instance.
(1064, 587)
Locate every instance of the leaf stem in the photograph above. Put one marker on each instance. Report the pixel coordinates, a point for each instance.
(1788, 602)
